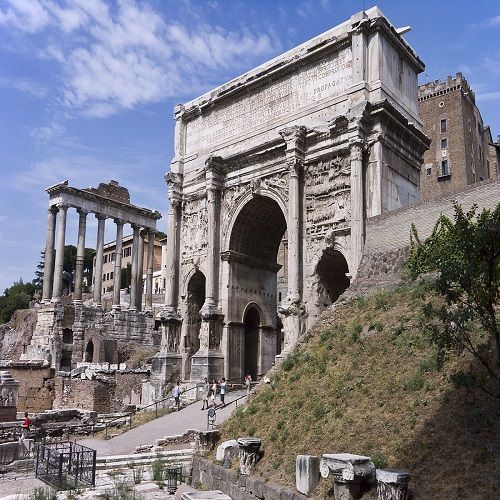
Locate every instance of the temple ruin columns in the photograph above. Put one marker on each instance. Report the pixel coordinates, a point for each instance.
(59, 261)
(149, 271)
(99, 258)
(134, 271)
(80, 255)
(140, 268)
(48, 267)
(357, 205)
(117, 276)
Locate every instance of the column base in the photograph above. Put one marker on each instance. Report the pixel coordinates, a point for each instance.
(166, 367)
(209, 364)
(116, 307)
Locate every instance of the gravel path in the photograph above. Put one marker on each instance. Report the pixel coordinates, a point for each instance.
(190, 417)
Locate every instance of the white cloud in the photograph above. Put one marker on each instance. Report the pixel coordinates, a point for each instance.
(43, 135)
(493, 21)
(488, 96)
(24, 85)
(124, 55)
(25, 15)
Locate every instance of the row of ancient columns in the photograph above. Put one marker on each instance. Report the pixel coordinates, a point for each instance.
(54, 260)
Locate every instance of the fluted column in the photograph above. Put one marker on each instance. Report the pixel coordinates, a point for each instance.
(214, 187)
(174, 183)
(117, 276)
(48, 265)
(140, 269)
(134, 270)
(59, 261)
(295, 143)
(357, 205)
(99, 258)
(149, 270)
(80, 255)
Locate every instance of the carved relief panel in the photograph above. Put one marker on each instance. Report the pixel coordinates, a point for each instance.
(194, 230)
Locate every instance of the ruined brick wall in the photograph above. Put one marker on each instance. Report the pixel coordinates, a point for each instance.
(129, 388)
(95, 395)
(36, 387)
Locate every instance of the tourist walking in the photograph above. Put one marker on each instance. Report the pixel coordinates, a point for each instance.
(223, 387)
(176, 392)
(206, 394)
(25, 426)
(248, 382)
(213, 393)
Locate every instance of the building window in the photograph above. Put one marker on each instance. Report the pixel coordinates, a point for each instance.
(444, 143)
(444, 168)
(104, 277)
(429, 170)
(105, 258)
(444, 127)
(113, 255)
(111, 276)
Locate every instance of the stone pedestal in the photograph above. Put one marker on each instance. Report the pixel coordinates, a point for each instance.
(392, 484)
(351, 473)
(306, 473)
(9, 390)
(249, 453)
(207, 439)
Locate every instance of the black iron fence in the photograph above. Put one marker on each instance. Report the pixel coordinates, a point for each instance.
(65, 465)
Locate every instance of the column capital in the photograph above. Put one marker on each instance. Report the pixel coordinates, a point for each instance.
(99, 216)
(62, 206)
(52, 209)
(119, 222)
(143, 231)
(294, 136)
(82, 212)
(135, 227)
(356, 150)
(214, 164)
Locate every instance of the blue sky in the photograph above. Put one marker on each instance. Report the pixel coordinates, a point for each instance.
(87, 87)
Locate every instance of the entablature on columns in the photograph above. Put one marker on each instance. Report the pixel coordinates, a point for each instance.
(90, 202)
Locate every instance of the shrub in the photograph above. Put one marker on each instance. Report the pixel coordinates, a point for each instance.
(158, 469)
(416, 382)
(379, 460)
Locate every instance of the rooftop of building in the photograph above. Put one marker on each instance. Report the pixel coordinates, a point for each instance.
(441, 87)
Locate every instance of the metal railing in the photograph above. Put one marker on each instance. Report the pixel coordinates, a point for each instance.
(66, 465)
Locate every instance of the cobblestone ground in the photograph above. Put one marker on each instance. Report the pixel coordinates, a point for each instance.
(190, 417)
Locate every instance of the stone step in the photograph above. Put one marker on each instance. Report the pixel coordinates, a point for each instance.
(180, 457)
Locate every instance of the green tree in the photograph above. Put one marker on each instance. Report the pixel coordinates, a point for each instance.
(126, 276)
(17, 296)
(463, 255)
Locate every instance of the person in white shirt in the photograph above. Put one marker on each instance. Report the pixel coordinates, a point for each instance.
(223, 386)
(176, 392)
(214, 392)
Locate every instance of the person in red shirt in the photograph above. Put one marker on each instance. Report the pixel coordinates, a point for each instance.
(25, 426)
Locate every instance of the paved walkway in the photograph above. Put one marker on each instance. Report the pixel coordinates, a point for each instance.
(190, 417)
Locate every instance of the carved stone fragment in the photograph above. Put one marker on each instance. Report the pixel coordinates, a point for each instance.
(249, 453)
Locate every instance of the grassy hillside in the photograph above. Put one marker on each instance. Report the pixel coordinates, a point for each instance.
(367, 381)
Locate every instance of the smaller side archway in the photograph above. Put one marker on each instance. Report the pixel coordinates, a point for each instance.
(252, 323)
(333, 277)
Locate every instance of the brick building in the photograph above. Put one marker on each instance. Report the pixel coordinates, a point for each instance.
(462, 151)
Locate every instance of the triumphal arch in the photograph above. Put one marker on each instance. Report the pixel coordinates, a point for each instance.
(274, 176)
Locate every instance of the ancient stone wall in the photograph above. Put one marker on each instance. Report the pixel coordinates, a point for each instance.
(94, 395)
(36, 386)
(239, 487)
(388, 235)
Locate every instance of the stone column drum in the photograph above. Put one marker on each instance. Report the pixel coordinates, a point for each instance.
(80, 255)
(149, 271)
(48, 266)
(306, 473)
(59, 262)
(351, 473)
(135, 268)
(249, 454)
(99, 258)
(117, 276)
(392, 484)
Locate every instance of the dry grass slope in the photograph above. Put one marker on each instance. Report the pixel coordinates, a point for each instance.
(367, 381)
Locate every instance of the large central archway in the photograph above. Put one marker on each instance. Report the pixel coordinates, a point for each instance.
(253, 297)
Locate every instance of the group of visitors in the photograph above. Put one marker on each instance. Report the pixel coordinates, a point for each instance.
(210, 392)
